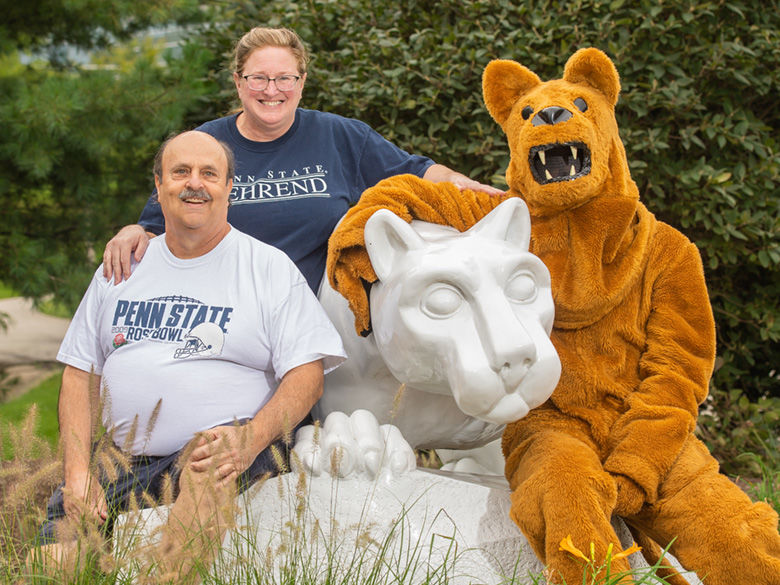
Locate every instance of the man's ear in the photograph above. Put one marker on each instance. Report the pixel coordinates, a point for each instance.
(503, 83)
(592, 67)
(157, 183)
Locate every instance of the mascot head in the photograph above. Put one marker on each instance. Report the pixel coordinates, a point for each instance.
(563, 137)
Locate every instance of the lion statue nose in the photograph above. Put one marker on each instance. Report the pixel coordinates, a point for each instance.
(551, 116)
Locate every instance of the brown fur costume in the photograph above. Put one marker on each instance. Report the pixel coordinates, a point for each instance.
(635, 333)
(633, 328)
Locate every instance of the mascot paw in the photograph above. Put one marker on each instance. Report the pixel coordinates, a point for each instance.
(630, 497)
(349, 446)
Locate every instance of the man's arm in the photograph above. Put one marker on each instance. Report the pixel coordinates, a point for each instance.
(77, 409)
(231, 449)
(130, 240)
(439, 173)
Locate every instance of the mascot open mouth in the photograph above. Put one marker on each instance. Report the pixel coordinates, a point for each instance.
(552, 163)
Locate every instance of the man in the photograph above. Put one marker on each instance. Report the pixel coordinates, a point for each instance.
(194, 343)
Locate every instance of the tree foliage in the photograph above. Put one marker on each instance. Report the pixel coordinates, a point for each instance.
(697, 114)
(49, 25)
(78, 139)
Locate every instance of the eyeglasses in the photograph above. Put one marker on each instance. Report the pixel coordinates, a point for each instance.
(260, 82)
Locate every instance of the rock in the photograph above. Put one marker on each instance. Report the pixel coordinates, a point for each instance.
(451, 528)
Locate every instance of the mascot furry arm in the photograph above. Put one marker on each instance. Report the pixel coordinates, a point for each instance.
(673, 373)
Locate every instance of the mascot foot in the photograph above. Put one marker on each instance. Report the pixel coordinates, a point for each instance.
(351, 446)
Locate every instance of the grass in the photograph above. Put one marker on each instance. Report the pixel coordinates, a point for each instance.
(6, 291)
(307, 553)
(45, 396)
(30, 470)
(766, 487)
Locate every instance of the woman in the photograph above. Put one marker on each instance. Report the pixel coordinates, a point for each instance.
(297, 171)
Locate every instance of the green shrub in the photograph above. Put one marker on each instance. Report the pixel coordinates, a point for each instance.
(698, 115)
(740, 433)
(78, 141)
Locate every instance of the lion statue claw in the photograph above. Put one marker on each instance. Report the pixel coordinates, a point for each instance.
(351, 445)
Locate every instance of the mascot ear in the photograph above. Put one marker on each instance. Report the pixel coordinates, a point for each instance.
(592, 67)
(503, 83)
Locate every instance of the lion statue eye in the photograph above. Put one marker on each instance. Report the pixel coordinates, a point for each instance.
(441, 301)
(526, 113)
(521, 288)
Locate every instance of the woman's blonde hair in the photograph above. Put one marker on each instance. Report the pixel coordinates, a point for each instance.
(260, 37)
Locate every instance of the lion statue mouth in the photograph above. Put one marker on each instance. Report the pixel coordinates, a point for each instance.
(553, 163)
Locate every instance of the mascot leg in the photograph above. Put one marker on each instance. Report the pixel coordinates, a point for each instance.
(719, 533)
(560, 490)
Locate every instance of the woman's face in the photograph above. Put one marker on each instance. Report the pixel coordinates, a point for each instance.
(269, 113)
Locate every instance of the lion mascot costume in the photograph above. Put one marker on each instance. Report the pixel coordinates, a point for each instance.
(633, 328)
(636, 338)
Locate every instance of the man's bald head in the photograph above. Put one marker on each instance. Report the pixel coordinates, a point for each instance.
(195, 135)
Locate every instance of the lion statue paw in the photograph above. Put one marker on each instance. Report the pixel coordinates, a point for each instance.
(353, 445)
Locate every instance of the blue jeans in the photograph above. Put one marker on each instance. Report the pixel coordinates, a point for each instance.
(146, 475)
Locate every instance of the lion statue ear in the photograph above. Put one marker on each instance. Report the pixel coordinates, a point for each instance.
(592, 67)
(388, 238)
(503, 83)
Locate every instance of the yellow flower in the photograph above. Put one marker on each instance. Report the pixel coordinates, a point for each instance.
(629, 551)
(568, 546)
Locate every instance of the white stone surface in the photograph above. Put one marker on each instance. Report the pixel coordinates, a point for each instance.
(435, 526)
(485, 460)
(461, 322)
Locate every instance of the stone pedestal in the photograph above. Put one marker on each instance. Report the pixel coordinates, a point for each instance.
(425, 526)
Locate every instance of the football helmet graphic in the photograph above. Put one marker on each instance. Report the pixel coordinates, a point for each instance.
(203, 340)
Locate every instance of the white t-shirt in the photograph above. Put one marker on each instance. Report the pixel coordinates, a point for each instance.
(186, 345)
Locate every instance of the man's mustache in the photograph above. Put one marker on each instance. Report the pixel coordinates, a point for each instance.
(195, 194)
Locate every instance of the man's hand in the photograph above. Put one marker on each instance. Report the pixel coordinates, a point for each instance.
(83, 497)
(116, 257)
(229, 450)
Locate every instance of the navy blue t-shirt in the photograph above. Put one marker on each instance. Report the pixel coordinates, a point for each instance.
(292, 191)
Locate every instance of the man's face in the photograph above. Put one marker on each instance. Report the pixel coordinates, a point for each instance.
(193, 189)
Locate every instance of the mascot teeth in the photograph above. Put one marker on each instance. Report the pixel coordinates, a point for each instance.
(552, 163)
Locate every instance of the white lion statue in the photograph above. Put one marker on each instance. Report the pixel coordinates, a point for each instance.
(460, 344)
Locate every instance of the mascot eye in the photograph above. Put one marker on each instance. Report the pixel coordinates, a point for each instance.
(526, 113)
(521, 288)
(581, 105)
(441, 301)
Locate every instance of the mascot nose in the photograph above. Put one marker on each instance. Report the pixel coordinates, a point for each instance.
(550, 116)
